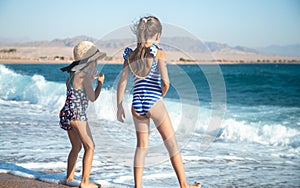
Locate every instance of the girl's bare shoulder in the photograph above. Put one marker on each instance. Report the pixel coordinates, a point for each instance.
(80, 79)
(160, 54)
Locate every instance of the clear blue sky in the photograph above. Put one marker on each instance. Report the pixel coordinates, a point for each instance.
(251, 23)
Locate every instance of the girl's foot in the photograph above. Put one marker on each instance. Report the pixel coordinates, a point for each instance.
(195, 185)
(89, 185)
(72, 182)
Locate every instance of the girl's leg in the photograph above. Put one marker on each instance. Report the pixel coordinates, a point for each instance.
(72, 158)
(142, 135)
(163, 123)
(84, 132)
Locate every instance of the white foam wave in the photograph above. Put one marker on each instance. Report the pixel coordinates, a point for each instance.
(22, 90)
(58, 178)
(266, 134)
(48, 165)
(33, 89)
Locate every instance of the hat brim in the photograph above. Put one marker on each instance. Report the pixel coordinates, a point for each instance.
(99, 55)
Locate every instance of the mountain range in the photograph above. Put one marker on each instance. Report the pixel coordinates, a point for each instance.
(292, 50)
(170, 43)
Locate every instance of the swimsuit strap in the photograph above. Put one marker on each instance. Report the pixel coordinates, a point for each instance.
(70, 80)
(153, 50)
(126, 53)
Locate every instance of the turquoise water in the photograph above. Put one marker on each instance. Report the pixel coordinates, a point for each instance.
(256, 143)
(246, 85)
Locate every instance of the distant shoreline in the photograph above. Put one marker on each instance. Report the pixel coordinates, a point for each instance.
(30, 61)
(63, 55)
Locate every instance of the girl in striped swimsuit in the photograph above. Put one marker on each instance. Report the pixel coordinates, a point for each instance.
(147, 64)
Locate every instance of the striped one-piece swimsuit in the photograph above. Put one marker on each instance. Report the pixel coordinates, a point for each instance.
(147, 91)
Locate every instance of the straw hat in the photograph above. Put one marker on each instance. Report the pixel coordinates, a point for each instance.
(84, 53)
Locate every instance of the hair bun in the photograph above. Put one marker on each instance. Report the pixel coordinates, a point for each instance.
(145, 20)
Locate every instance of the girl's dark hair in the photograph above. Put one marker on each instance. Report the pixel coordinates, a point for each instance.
(144, 29)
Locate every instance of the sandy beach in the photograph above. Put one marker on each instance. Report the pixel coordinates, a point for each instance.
(63, 55)
(12, 181)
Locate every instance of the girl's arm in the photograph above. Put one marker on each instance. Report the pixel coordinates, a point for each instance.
(162, 63)
(120, 92)
(87, 84)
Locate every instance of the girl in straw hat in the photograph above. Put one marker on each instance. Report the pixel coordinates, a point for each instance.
(147, 63)
(73, 115)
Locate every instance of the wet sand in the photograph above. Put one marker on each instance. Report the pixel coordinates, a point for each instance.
(12, 181)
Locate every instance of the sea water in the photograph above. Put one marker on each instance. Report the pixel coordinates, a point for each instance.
(253, 109)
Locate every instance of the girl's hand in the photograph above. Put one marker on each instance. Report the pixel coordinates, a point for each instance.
(120, 114)
(101, 78)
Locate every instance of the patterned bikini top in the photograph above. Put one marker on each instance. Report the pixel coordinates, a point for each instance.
(76, 96)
